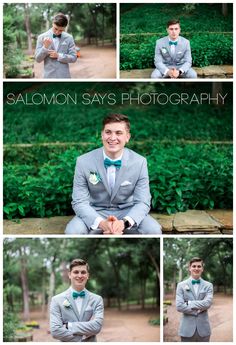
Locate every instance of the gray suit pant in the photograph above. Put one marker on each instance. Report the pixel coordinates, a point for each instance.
(156, 74)
(148, 226)
(196, 338)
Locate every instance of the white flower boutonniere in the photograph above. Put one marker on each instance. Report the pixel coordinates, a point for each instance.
(187, 288)
(66, 303)
(94, 177)
(164, 50)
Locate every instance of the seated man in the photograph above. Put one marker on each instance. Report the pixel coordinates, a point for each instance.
(173, 55)
(111, 186)
(56, 49)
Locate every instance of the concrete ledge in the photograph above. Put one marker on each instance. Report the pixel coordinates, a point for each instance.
(213, 71)
(189, 222)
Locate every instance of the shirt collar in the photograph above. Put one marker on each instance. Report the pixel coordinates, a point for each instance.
(105, 156)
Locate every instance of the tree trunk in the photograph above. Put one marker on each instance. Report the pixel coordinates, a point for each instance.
(28, 28)
(24, 284)
(225, 9)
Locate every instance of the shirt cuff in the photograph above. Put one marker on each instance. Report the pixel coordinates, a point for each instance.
(69, 326)
(165, 73)
(130, 220)
(60, 56)
(96, 223)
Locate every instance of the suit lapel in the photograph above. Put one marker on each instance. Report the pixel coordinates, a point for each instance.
(72, 302)
(201, 285)
(120, 173)
(192, 288)
(99, 161)
(84, 304)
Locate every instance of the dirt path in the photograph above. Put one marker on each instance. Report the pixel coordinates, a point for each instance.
(221, 319)
(95, 62)
(124, 326)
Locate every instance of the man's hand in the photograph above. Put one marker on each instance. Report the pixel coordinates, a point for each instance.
(47, 42)
(118, 227)
(173, 73)
(53, 54)
(106, 225)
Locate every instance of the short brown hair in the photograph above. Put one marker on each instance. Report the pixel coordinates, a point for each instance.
(172, 22)
(60, 20)
(78, 262)
(111, 118)
(195, 259)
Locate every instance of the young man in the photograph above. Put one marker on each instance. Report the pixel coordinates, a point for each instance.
(111, 186)
(173, 55)
(76, 314)
(56, 49)
(193, 298)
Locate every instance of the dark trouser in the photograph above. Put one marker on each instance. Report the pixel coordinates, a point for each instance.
(196, 338)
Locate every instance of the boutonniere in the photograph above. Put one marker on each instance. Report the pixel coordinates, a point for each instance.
(66, 303)
(164, 50)
(94, 177)
(187, 288)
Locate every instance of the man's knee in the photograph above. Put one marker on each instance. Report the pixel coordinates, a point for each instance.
(190, 74)
(76, 227)
(149, 226)
(156, 74)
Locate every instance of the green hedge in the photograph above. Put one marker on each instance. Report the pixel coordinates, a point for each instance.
(181, 177)
(207, 49)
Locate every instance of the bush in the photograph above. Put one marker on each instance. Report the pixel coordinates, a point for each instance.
(181, 177)
(207, 49)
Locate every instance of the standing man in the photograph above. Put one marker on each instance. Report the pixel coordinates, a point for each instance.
(56, 49)
(173, 55)
(76, 314)
(111, 186)
(193, 298)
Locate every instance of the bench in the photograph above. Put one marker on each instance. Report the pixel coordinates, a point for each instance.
(213, 71)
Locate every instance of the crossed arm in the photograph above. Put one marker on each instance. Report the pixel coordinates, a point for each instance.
(78, 329)
(195, 306)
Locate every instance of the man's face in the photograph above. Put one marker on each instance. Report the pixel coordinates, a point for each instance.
(196, 269)
(173, 31)
(57, 30)
(114, 137)
(78, 277)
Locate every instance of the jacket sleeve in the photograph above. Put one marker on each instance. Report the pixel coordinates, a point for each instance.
(187, 58)
(40, 52)
(58, 330)
(158, 60)
(141, 196)
(94, 325)
(70, 55)
(205, 303)
(81, 197)
(181, 304)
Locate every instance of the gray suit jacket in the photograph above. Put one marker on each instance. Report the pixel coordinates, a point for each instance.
(56, 68)
(84, 325)
(194, 307)
(181, 59)
(131, 188)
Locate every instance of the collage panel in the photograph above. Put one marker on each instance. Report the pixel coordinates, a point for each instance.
(59, 40)
(198, 289)
(74, 290)
(175, 127)
(176, 40)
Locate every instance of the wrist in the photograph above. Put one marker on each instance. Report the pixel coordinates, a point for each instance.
(126, 223)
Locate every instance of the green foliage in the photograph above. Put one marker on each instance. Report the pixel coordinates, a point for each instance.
(154, 322)
(181, 177)
(79, 122)
(207, 49)
(190, 177)
(201, 24)
(10, 322)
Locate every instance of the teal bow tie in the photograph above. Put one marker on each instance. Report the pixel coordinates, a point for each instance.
(76, 294)
(171, 43)
(58, 36)
(108, 162)
(196, 281)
